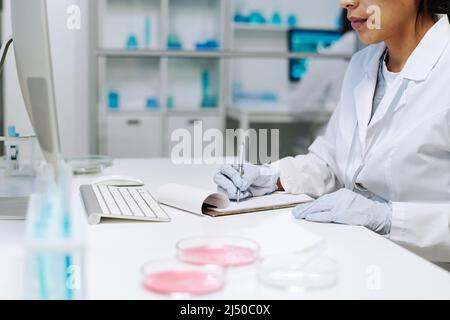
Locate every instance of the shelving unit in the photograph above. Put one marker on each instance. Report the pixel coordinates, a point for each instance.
(261, 28)
(225, 54)
(173, 78)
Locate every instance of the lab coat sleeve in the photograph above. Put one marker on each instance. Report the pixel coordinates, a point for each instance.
(313, 174)
(423, 228)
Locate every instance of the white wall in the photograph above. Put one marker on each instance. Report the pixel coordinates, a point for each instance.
(71, 73)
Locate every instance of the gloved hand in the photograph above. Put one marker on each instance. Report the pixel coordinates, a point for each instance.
(256, 181)
(347, 207)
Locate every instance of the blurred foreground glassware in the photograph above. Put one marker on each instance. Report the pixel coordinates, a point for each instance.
(225, 251)
(304, 270)
(89, 164)
(175, 278)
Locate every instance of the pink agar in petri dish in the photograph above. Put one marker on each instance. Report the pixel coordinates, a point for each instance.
(224, 255)
(189, 282)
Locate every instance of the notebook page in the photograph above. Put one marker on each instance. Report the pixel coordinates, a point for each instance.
(275, 200)
(189, 198)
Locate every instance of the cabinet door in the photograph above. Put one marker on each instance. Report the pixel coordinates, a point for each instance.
(134, 136)
(188, 123)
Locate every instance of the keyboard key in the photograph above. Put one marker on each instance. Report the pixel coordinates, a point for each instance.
(153, 204)
(110, 202)
(124, 209)
(134, 208)
(100, 200)
(148, 212)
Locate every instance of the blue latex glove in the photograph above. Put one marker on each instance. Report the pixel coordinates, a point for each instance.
(256, 181)
(347, 207)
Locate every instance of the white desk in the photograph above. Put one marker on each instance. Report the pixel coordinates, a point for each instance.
(117, 250)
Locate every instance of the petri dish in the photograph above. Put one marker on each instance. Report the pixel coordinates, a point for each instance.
(172, 277)
(225, 251)
(298, 271)
(89, 164)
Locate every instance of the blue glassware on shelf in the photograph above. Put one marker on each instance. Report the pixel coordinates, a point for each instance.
(170, 102)
(132, 42)
(113, 100)
(210, 44)
(240, 18)
(174, 42)
(208, 100)
(199, 46)
(257, 18)
(152, 103)
(12, 133)
(292, 20)
(269, 97)
(276, 18)
(253, 97)
(147, 32)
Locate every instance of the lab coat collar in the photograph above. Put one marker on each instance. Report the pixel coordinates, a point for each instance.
(428, 52)
(424, 57)
(372, 61)
(363, 96)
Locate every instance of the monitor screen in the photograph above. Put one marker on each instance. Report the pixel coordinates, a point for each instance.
(308, 41)
(35, 72)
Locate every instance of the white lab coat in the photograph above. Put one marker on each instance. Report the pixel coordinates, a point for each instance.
(402, 156)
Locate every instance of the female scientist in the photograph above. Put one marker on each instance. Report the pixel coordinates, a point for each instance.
(384, 162)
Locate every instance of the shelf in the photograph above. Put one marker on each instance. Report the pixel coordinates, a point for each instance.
(280, 114)
(193, 111)
(185, 111)
(112, 53)
(260, 27)
(138, 18)
(132, 112)
(194, 22)
(132, 81)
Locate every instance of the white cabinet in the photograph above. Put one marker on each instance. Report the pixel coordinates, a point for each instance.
(134, 136)
(187, 124)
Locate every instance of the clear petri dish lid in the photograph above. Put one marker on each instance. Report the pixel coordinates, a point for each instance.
(226, 251)
(177, 279)
(89, 164)
(303, 270)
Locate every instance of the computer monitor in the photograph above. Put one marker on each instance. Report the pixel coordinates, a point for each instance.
(34, 69)
(308, 41)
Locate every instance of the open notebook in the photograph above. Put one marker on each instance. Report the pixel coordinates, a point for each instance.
(201, 202)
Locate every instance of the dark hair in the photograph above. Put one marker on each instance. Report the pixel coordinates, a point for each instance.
(433, 8)
(346, 25)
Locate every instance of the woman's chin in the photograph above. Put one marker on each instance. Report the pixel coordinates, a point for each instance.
(369, 38)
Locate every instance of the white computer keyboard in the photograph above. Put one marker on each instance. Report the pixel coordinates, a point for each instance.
(134, 203)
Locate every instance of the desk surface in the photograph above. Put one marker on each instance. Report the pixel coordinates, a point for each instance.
(371, 267)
